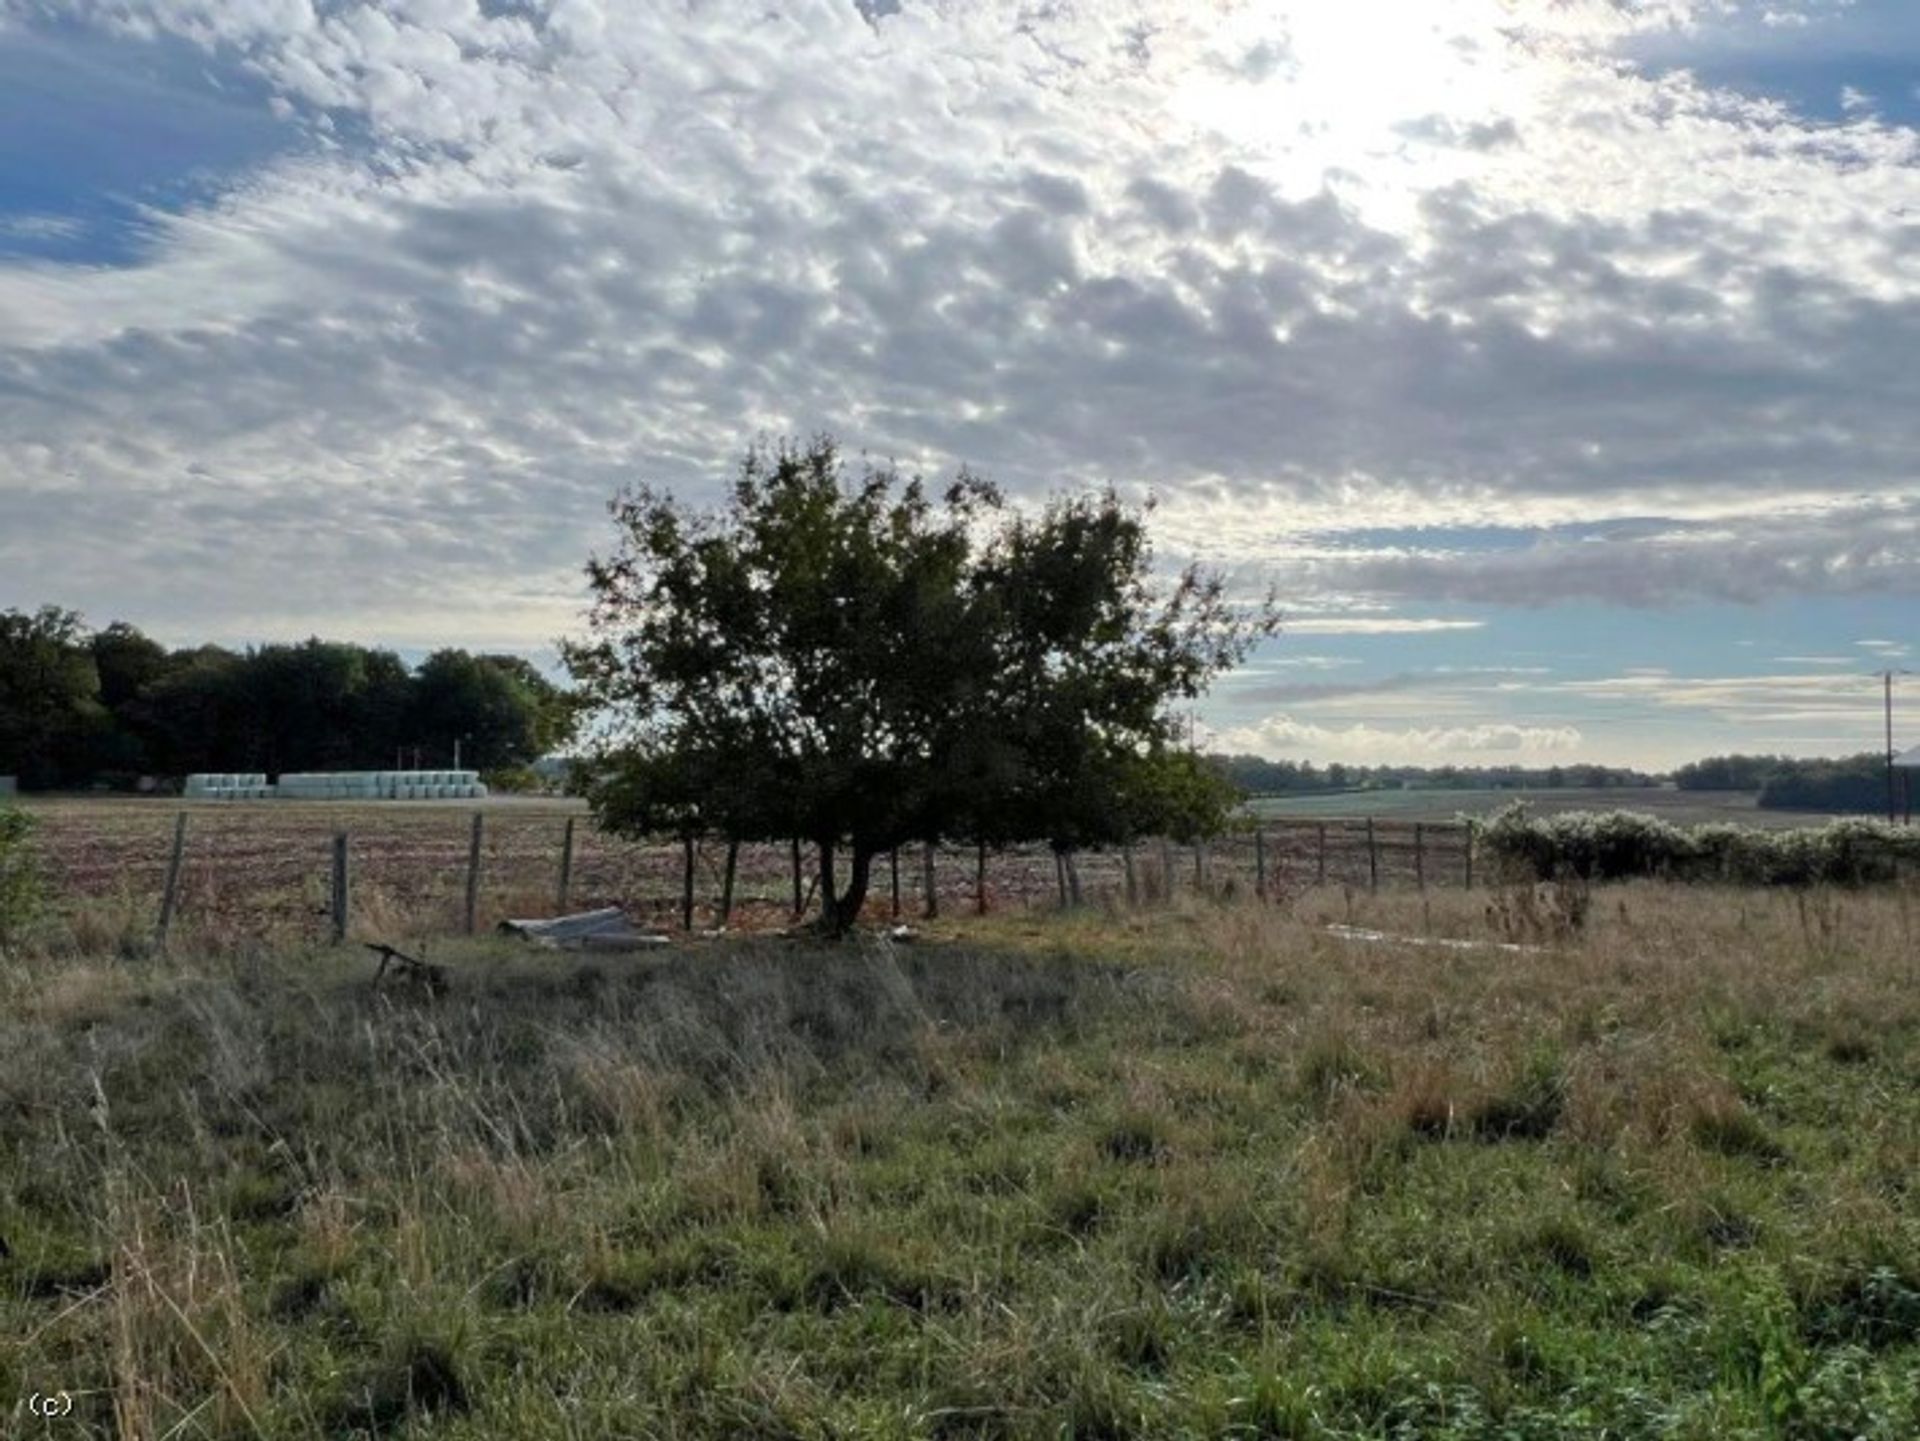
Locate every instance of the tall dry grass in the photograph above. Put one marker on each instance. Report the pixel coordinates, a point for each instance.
(1213, 1169)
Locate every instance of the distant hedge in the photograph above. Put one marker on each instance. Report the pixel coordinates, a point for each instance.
(1620, 845)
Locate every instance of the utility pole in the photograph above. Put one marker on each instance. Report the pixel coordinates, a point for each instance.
(1886, 678)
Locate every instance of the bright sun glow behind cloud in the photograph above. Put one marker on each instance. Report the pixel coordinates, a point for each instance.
(1321, 94)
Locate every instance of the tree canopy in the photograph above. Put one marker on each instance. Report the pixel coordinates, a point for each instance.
(859, 661)
(103, 707)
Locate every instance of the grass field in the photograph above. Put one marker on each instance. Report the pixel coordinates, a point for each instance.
(1684, 808)
(1203, 1172)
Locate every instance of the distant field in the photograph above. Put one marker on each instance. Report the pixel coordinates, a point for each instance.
(1685, 808)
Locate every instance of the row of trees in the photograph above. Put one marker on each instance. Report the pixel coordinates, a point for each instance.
(81, 707)
(861, 662)
(1259, 776)
(1854, 784)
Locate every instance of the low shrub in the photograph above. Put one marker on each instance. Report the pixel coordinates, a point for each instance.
(1622, 845)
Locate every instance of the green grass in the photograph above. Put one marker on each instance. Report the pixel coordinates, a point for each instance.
(1204, 1173)
(1685, 808)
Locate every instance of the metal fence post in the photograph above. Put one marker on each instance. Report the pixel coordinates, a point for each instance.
(473, 872)
(168, 896)
(342, 883)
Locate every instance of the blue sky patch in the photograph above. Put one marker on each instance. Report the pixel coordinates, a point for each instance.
(93, 128)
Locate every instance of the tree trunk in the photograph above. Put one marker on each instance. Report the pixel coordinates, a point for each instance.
(843, 911)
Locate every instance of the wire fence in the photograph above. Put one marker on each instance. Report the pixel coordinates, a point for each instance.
(271, 868)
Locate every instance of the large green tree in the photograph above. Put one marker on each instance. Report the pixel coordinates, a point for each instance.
(50, 711)
(860, 661)
(500, 709)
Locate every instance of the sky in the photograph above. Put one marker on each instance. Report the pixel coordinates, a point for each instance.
(1553, 360)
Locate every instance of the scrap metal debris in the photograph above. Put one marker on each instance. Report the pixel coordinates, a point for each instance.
(409, 969)
(1358, 933)
(602, 930)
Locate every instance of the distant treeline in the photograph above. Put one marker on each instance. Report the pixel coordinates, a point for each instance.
(1264, 777)
(1855, 785)
(82, 707)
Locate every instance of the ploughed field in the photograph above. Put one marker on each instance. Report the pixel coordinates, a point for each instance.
(1640, 1163)
(261, 870)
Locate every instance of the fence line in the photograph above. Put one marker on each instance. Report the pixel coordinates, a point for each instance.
(685, 882)
(470, 869)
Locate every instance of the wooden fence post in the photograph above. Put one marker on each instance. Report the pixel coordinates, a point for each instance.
(473, 872)
(342, 883)
(686, 883)
(1321, 873)
(1419, 856)
(1166, 867)
(980, 876)
(168, 896)
(926, 882)
(799, 901)
(893, 864)
(726, 884)
(566, 870)
(1133, 887)
(1060, 875)
(1073, 880)
(1373, 858)
(1259, 863)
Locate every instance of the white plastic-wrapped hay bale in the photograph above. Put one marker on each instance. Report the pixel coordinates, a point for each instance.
(195, 787)
(479, 791)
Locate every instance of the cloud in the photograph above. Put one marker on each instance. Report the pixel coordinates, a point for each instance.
(39, 227)
(1306, 693)
(1745, 700)
(383, 384)
(1374, 625)
(1867, 549)
(1281, 736)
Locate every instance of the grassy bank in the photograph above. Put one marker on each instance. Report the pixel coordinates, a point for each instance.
(1208, 1173)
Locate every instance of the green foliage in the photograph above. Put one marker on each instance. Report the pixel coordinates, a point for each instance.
(1618, 845)
(1728, 773)
(1259, 776)
(500, 708)
(106, 707)
(49, 696)
(861, 662)
(513, 780)
(1856, 783)
(20, 882)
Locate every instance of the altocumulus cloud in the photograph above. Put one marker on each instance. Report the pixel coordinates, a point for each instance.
(522, 253)
(1476, 744)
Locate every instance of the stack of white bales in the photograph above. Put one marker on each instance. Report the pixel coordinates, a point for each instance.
(328, 786)
(382, 785)
(432, 785)
(224, 787)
